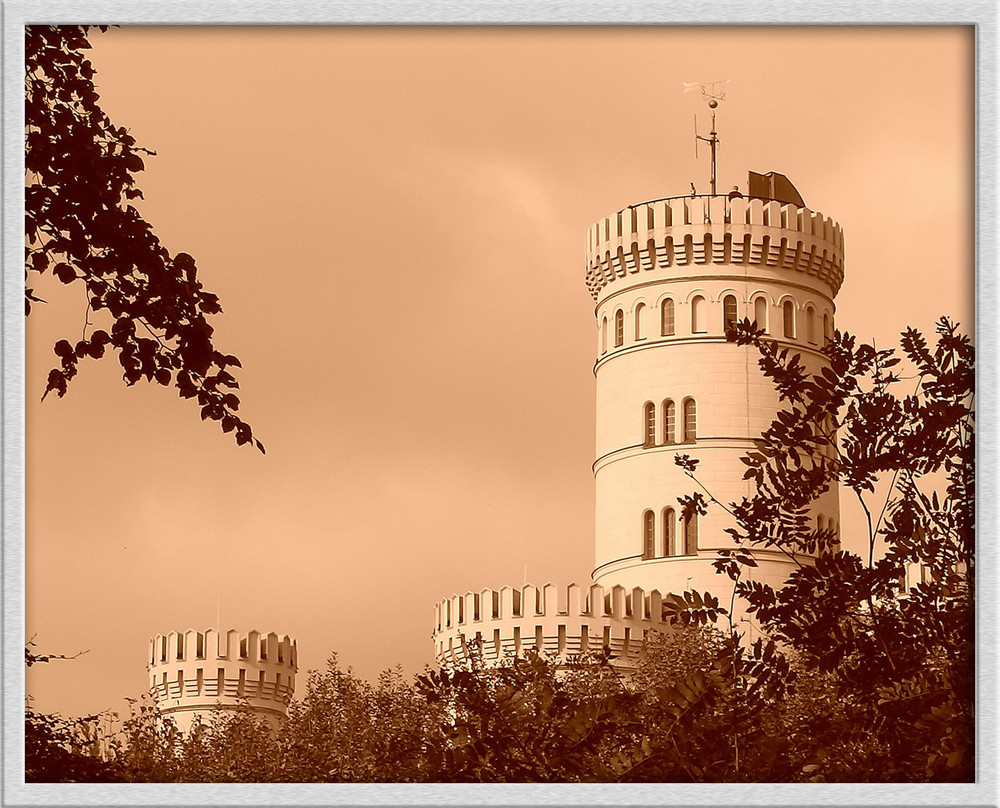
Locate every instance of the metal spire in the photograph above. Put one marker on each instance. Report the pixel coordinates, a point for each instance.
(714, 91)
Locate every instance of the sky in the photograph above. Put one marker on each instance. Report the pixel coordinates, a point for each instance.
(394, 220)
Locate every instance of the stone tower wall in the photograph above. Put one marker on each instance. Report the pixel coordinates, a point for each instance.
(194, 672)
(690, 249)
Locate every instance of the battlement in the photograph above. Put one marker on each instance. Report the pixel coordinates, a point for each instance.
(254, 647)
(558, 621)
(706, 229)
(193, 672)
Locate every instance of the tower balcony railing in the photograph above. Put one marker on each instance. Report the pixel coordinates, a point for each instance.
(711, 229)
(712, 204)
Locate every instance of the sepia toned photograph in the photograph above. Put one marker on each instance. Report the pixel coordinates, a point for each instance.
(500, 405)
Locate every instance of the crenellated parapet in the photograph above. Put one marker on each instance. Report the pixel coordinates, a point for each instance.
(703, 230)
(560, 622)
(194, 672)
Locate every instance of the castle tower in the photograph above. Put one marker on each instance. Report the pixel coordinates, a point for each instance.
(196, 672)
(667, 276)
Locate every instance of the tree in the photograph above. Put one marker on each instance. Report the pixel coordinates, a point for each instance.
(698, 708)
(58, 749)
(863, 674)
(899, 655)
(346, 729)
(79, 223)
(523, 721)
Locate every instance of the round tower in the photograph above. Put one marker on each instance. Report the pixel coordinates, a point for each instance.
(667, 276)
(196, 672)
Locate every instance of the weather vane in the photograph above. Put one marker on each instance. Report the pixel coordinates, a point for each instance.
(714, 91)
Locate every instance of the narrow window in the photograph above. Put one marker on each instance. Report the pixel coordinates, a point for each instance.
(826, 326)
(810, 324)
(728, 312)
(163, 649)
(691, 534)
(648, 534)
(760, 313)
(668, 422)
(669, 532)
(243, 648)
(667, 318)
(638, 320)
(604, 335)
(788, 318)
(619, 328)
(690, 421)
(180, 646)
(263, 648)
(698, 315)
(649, 424)
(200, 646)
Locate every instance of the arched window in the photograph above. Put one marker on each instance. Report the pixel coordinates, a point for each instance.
(691, 534)
(619, 328)
(638, 319)
(690, 421)
(788, 318)
(648, 534)
(827, 333)
(649, 424)
(810, 324)
(668, 422)
(604, 335)
(728, 312)
(669, 532)
(698, 315)
(667, 318)
(760, 313)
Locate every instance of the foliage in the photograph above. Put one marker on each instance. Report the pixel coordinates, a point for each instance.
(64, 750)
(697, 708)
(859, 675)
(900, 657)
(347, 730)
(80, 224)
(521, 722)
(58, 749)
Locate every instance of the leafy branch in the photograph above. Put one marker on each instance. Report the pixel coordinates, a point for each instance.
(79, 224)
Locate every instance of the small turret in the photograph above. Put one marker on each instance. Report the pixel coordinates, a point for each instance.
(197, 672)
